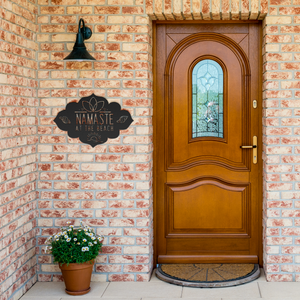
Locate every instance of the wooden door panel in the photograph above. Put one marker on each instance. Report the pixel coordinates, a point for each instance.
(201, 170)
(214, 246)
(241, 39)
(188, 152)
(207, 201)
(226, 212)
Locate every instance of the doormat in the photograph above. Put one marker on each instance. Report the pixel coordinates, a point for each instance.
(208, 275)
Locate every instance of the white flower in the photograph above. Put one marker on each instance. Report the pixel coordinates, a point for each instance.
(83, 249)
(68, 222)
(84, 240)
(93, 238)
(95, 242)
(64, 232)
(65, 236)
(69, 239)
(70, 229)
(71, 226)
(79, 230)
(85, 229)
(75, 239)
(90, 244)
(57, 240)
(60, 234)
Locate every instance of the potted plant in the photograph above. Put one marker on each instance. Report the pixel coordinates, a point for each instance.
(75, 250)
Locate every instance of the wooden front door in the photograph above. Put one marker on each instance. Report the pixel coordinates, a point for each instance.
(207, 188)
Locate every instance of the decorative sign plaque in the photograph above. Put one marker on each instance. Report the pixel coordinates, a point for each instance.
(93, 120)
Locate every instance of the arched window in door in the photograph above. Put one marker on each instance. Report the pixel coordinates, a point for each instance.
(207, 93)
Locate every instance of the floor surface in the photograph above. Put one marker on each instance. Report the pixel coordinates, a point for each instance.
(159, 290)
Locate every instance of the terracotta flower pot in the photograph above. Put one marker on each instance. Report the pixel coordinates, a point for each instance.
(77, 277)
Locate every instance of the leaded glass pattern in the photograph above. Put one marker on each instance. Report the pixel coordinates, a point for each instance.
(207, 107)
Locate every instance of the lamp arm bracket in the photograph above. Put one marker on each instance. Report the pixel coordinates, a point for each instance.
(85, 31)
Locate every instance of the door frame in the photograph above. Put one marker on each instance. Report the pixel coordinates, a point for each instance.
(259, 108)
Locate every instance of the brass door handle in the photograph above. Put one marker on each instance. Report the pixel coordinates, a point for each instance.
(254, 147)
(247, 147)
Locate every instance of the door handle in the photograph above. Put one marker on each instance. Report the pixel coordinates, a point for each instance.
(248, 147)
(254, 147)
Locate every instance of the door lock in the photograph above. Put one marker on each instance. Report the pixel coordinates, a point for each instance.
(254, 147)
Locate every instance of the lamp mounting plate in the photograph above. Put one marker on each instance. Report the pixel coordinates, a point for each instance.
(86, 32)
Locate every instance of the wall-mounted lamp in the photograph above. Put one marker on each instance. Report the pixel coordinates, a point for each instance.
(79, 51)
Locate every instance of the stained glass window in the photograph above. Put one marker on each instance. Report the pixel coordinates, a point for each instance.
(207, 107)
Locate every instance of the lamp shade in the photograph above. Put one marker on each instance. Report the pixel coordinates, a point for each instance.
(79, 51)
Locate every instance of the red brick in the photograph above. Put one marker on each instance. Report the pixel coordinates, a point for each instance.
(108, 158)
(289, 10)
(78, 65)
(96, 222)
(48, 10)
(121, 203)
(113, 259)
(279, 259)
(108, 28)
(53, 213)
(108, 268)
(107, 47)
(278, 39)
(51, 65)
(107, 10)
(108, 213)
(108, 195)
(121, 186)
(290, 48)
(290, 29)
(121, 277)
(65, 204)
(290, 66)
(136, 268)
(111, 250)
(121, 241)
(136, 231)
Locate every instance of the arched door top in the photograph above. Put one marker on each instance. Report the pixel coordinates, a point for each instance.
(202, 37)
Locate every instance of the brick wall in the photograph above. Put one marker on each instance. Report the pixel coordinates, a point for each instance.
(18, 138)
(281, 141)
(109, 186)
